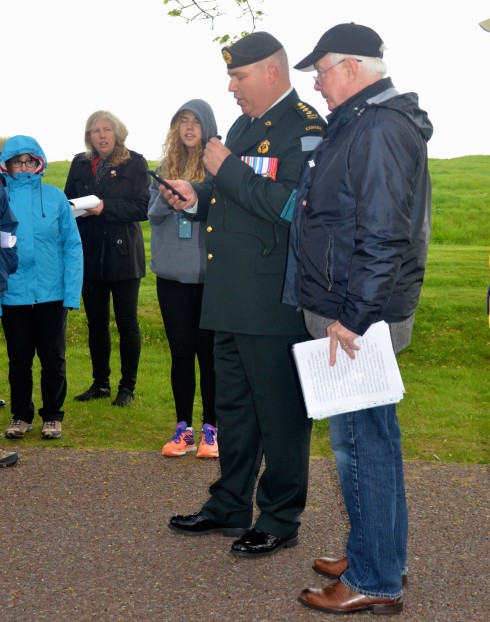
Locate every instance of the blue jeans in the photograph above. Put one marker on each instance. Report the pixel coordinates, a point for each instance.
(367, 449)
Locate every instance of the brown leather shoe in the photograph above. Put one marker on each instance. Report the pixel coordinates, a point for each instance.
(338, 598)
(333, 568)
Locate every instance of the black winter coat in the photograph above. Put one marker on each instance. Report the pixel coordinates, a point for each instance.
(113, 246)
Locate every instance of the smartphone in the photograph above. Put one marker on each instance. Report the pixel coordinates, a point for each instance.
(167, 185)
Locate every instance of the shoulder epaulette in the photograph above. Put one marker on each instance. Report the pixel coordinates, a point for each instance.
(313, 121)
(309, 113)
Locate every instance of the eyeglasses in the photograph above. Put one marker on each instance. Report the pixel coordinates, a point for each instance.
(319, 76)
(29, 163)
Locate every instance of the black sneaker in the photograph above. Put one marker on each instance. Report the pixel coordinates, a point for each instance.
(8, 458)
(124, 397)
(94, 393)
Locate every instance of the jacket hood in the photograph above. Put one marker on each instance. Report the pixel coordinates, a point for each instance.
(407, 104)
(19, 145)
(382, 94)
(203, 111)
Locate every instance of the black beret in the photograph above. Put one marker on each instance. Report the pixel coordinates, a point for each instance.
(250, 49)
(344, 39)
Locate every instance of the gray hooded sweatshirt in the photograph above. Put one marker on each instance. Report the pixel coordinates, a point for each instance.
(174, 258)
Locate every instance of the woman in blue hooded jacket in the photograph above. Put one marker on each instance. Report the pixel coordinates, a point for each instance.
(47, 283)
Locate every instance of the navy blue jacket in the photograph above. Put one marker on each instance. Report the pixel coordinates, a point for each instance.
(361, 225)
(8, 256)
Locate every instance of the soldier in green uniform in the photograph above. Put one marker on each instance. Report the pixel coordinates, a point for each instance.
(259, 406)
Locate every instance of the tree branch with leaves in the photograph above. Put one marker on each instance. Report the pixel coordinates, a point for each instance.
(214, 10)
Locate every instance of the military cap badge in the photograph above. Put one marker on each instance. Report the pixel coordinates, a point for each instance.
(227, 57)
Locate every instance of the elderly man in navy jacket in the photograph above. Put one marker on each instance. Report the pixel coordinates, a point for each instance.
(358, 251)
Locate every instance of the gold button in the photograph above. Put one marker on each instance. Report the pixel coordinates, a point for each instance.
(209, 229)
(210, 256)
(213, 201)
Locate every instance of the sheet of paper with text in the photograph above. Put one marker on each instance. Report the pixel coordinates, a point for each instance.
(371, 379)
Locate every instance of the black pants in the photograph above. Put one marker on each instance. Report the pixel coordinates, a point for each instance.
(36, 329)
(97, 307)
(180, 304)
(261, 417)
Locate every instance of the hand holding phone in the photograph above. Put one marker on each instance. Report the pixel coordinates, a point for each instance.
(167, 185)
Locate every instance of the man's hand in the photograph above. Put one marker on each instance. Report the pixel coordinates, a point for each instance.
(340, 335)
(215, 154)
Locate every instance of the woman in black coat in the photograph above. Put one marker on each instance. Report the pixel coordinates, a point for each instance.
(113, 247)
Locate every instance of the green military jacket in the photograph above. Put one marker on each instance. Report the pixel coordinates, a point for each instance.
(246, 238)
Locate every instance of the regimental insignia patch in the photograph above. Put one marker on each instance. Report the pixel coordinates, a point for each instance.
(227, 57)
(308, 112)
(264, 146)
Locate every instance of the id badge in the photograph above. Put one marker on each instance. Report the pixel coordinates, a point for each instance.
(184, 226)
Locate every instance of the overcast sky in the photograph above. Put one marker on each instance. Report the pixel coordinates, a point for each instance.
(64, 59)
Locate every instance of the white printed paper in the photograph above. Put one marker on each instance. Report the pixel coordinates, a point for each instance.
(371, 379)
(82, 204)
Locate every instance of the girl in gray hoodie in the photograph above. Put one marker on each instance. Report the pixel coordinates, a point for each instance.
(178, 259)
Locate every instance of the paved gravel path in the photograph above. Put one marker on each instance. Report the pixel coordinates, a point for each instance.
(83, 536)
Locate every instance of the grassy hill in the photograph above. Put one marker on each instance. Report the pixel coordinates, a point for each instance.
(444, 415)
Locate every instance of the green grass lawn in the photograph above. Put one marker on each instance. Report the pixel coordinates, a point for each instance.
(444, 414)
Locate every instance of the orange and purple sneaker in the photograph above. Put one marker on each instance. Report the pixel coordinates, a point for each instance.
(208, 446)
(181, 442)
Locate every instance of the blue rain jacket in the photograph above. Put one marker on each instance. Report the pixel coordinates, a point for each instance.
(48, 243)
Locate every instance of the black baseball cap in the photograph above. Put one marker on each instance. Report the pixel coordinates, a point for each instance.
(250, 49)
(344, 39)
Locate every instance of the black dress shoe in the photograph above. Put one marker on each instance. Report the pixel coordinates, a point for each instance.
(198, 524)
(257, 543)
